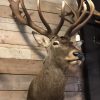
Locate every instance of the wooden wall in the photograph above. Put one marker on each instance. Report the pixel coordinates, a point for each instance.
(21, 59)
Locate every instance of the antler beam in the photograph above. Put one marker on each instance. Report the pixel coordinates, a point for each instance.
(42, 18)
(57, 29)
(74, 28)
(78, 27)
(81, 20)
(14, 5)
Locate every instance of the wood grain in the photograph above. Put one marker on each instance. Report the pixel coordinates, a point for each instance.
(21, 82)
(46, 5)
(19, 63)
(74, 96)
(50, 17)
(10, 37)
(22, 95)
(31, 4)
(22, 53)
(15, 82)
(20, 66)
(18, 38)
(13, 95)
(12, 22)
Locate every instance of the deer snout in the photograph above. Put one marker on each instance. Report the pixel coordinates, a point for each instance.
(74, 56)
(79, 55)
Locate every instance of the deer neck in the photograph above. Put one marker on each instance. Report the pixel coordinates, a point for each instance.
(51, 63)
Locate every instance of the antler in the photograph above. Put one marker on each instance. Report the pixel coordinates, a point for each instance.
(28, 21)
(57, 29)
(72, 10)
(42, 18)
(14, 5)
(80, 6)
(74, 28)
(81, 21)
(91, 5)
(97, 13)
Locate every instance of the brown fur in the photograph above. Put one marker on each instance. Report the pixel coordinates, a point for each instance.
(50, 83)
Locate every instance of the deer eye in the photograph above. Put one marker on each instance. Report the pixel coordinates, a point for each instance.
(55, 43)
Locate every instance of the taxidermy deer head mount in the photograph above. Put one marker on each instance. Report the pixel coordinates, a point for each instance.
(56, 42)
(63, 54)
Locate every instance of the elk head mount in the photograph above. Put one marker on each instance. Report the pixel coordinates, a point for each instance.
(63, 54)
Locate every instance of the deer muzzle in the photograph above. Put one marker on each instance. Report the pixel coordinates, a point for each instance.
(80, 55)
(74, 57)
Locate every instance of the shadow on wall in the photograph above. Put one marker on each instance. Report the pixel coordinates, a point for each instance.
(25, 36)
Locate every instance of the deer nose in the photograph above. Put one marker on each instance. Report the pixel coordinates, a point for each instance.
(79, 55)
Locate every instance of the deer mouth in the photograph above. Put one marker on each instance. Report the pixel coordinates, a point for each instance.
(74, 61)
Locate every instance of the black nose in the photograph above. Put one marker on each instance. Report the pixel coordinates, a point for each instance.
(79, 55)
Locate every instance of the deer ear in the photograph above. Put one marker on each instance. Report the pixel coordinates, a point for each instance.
(42, 40)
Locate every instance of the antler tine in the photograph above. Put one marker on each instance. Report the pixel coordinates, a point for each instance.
(79, 20)
(98, 22)
(42, 18)
(26, 21)
(14, 5)
(30, 22)
(57, 29)
(73, 11)
(80, 6)
(97, 13)
(92, 8)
